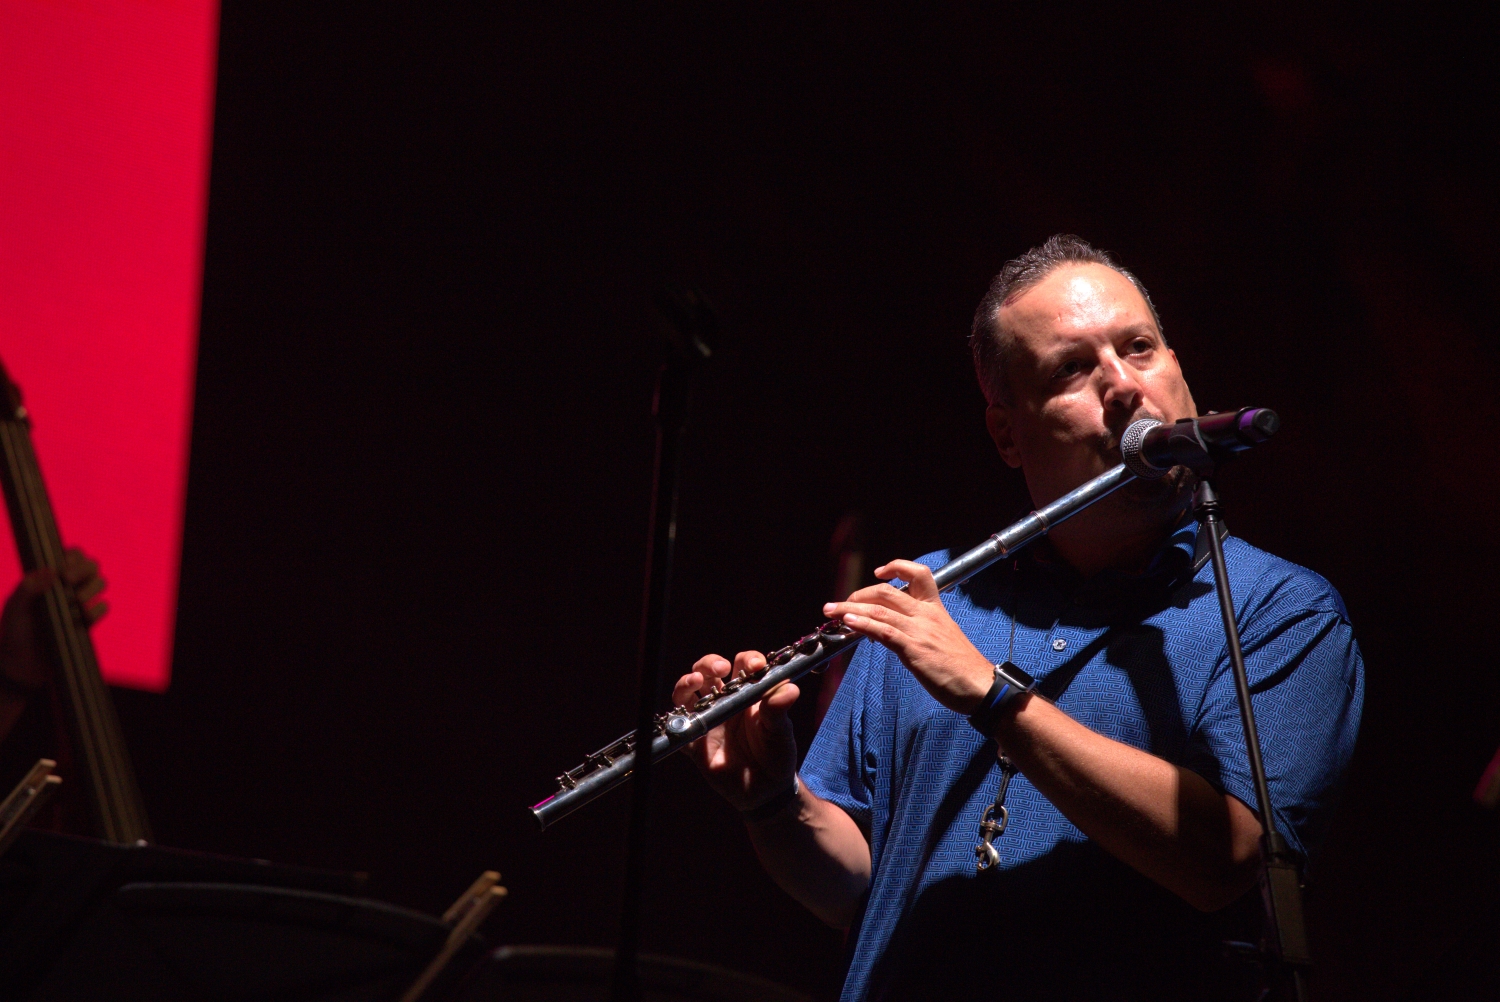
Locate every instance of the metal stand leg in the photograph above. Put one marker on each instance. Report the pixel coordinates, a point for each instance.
(1280, 879)
(691, 326)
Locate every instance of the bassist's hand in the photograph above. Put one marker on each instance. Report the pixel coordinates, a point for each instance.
(751, 757)
(24, 660)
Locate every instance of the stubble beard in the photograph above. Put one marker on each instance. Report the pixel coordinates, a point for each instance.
(1166, 497)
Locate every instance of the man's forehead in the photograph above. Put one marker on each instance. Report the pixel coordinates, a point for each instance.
(1076, 297)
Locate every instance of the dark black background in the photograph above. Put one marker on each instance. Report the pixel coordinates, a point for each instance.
(420, 469)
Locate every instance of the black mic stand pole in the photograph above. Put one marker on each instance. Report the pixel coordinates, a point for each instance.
(690, 328)
(1280, 881)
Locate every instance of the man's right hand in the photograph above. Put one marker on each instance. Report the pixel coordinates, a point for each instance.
(751, 757)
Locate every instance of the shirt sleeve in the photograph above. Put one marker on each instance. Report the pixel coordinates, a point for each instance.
(836, 767)
(1307, 686)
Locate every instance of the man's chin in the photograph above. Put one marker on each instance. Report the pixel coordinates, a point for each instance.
(1168, 494)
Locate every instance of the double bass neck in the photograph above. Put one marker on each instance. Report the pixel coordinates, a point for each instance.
(97, 744)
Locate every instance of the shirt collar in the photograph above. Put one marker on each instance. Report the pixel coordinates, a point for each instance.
(1167, 568)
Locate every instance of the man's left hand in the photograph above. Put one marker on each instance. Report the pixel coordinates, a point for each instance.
(916, 625)
(24, 661)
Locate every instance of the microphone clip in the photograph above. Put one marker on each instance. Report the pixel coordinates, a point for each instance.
(1150, 448)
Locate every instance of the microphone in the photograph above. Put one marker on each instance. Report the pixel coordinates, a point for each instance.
(1151, 448)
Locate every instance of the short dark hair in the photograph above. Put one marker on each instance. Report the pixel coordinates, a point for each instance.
(990, 345)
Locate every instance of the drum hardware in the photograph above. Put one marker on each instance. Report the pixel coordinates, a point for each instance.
(465, 915)
(34, 790)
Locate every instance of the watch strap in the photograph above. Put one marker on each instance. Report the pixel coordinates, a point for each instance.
(775, 805)
(1010, 683)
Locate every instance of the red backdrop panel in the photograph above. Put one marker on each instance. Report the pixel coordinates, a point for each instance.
(105, 115)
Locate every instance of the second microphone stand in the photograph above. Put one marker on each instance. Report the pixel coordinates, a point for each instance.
(690, 327)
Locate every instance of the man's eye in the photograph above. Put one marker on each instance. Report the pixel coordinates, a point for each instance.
(1140, 344)
(1068, 368)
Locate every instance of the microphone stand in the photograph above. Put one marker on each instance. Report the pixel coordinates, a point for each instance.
(690, 328)
(1284, 949)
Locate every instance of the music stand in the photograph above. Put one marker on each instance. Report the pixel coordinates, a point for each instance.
(584, 974)
(112, 923)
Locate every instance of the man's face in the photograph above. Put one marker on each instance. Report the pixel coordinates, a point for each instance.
(1087, 360)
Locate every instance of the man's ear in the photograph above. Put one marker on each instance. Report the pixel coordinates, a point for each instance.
(997, 420)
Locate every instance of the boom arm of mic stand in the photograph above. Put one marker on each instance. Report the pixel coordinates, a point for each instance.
(1280, 880)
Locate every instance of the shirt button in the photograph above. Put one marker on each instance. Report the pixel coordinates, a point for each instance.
(1059, 644)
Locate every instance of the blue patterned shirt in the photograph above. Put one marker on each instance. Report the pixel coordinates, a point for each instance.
(1139, 658)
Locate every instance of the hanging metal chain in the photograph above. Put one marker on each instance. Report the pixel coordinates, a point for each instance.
(995, 819)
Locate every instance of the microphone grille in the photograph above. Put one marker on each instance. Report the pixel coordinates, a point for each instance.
(1131, 445)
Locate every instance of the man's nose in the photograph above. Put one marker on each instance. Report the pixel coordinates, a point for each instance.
(1121, 390)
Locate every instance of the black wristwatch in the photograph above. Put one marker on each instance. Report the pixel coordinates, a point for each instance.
(776, 804)
(1010, 683)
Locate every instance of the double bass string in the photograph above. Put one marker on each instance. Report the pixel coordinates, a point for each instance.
(116, 799)
(100, 738)
(35, 553)
(122, 819)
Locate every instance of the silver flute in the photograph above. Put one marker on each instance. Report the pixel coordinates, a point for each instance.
(611, 765)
